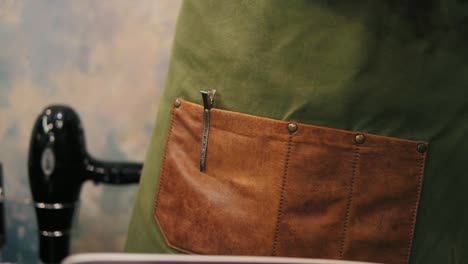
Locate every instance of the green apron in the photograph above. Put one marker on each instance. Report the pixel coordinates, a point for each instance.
(394, 68)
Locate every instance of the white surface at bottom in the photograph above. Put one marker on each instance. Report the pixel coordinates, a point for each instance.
(97, 258)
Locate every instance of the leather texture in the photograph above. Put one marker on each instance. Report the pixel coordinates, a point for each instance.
(312, 193)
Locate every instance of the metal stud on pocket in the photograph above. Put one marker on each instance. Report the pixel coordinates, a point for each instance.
(360, 139)
(421, 147)
(292, 128)
(177, 103)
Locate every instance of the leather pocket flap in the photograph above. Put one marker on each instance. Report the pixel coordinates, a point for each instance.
(269, 189)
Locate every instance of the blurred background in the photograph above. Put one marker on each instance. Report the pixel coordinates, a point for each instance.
(106, 59)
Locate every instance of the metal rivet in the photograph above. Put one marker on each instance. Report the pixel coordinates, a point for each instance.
(360, 139)
(177, 103)
(292, 128)
(422, 148)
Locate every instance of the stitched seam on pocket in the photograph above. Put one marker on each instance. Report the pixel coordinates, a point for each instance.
(281, 202)
(416, 205)
(163, 174)
(350, 199)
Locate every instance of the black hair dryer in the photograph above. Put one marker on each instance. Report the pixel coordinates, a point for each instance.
(58, 165)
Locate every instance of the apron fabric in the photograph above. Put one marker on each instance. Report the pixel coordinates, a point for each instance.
(395, 71)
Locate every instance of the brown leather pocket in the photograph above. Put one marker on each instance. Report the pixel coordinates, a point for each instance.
(317, 192)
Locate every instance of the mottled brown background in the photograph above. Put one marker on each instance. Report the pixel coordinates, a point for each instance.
(108, 60)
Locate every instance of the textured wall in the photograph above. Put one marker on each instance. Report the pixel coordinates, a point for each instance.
(108, 60)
